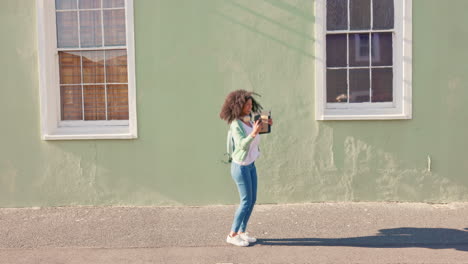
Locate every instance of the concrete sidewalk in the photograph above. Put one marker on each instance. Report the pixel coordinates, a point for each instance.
(295, 233)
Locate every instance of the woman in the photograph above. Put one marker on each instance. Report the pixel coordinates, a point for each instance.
(237, 111)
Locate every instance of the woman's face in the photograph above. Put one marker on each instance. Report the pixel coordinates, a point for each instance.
(247, 107)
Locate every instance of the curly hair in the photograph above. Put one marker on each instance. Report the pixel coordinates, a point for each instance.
(232, 107)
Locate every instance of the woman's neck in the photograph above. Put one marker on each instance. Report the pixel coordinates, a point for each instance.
(245, 119)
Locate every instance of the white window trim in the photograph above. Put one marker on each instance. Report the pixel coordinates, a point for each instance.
(52, 128)
(402, 67)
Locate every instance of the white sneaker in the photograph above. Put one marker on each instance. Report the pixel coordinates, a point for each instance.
(247, 238)
(237, 241)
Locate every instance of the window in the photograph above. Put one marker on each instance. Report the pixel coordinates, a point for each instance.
(363, 59)
(87, 76)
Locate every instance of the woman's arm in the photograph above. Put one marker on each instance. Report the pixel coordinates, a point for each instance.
(242, 141)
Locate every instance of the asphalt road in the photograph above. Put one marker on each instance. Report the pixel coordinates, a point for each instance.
(293, 233)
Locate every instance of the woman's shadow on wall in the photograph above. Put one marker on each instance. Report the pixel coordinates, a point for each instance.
(405, 237)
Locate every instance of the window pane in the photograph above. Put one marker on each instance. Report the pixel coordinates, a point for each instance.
(65, 4)
(382, 49)
(94, 102)
(337, 14)
(336, 86)
(70, 67)
(90, 29)
(114, 27)
(383, 14)
(67, 29)
(358, 49)
(117, 102)
(114, 3)
(336, 50)
(359, 85)
(93, 66)
(116, 66)
(382, 85)
(360, 14)
(88, 4)
(70, 102)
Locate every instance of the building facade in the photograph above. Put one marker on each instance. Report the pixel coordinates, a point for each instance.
(170, 65)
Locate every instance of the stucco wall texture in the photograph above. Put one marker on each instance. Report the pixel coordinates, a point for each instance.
(189, 55)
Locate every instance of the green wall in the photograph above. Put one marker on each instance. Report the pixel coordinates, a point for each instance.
(189, 55)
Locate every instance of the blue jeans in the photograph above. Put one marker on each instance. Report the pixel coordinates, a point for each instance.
(246, 181)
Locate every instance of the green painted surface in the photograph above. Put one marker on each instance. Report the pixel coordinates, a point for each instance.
(189, 55)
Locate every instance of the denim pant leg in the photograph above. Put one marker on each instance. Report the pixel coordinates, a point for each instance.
(253, 180)
(242, 178)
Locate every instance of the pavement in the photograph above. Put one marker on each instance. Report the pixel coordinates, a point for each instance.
(287, 233)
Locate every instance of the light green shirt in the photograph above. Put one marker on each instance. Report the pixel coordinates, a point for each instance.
(241, 140)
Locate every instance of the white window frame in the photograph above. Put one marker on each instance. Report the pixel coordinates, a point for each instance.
(52, 127)
(401, 107)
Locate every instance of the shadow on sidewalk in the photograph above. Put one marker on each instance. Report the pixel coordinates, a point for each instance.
(405, 237)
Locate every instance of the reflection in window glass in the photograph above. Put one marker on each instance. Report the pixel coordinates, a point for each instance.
(336, 86)
(94, 102)
(117, 102)
(383, 16)
(67, 29)
(65, 4)
(70, 67)
(113, 3)
(336, 50)
(359, 85)
(114, 27)
(337, 14)
(94, 83)
(90, 29)
(71, 102)
(359, 49)
(350, 71)
(116, 66)
(93, 66)
(382, 49)
(89, 4)
(382, 85)
(359, 14)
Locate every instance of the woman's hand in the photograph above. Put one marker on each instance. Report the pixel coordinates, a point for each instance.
(256, 128)
(270, 121)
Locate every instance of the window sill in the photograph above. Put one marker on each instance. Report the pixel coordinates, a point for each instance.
(365, 114)
(363, 117)
(76, 133)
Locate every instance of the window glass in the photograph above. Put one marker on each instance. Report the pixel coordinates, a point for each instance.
(113, 3)
(359, 85)
(67, 29)
(382, 83)
(383, 16)
(359, 14)
(336, 50)
(382, 49)
(337, 14)
(336, 86)
(93, 66)
(117, 101)
(116, 66)
(94, 102)
(89, 4)
(358, 50)
(90, 29)
(71, 102)
(94, 83)
(65, 4)
(114, 27)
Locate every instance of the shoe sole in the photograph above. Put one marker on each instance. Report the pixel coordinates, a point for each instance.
(238, 245)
